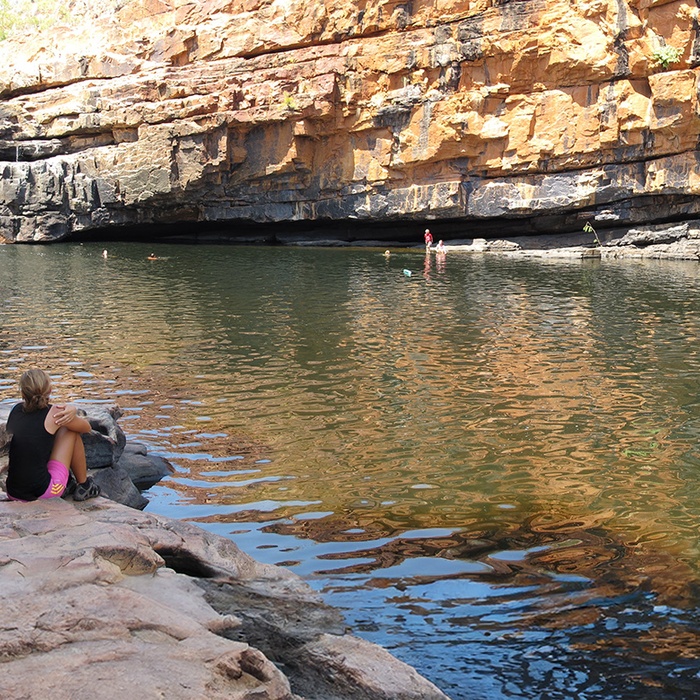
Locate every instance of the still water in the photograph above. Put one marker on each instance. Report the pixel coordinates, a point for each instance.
(490, 465)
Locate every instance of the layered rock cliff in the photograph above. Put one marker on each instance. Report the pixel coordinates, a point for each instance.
(497, 115)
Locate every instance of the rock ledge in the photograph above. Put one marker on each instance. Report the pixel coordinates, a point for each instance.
(107, 601)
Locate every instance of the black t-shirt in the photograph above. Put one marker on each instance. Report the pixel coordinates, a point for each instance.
(30, 450)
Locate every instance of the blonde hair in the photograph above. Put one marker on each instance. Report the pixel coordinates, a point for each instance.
(35, 386)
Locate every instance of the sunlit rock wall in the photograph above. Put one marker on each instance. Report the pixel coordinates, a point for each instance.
(519, 115)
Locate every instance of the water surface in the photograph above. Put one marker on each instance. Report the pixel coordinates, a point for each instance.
(491, 464)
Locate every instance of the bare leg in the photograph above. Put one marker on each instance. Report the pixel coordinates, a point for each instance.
(68, 449)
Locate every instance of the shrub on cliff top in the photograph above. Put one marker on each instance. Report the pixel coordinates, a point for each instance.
(20, 15)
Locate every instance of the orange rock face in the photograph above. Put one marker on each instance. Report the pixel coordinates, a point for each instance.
(533, 115)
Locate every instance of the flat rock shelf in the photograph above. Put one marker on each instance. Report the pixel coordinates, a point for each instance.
(105, 601)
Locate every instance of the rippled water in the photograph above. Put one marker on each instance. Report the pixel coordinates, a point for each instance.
(491, 464)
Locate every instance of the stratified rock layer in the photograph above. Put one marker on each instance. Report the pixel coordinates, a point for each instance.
(515, 115)
(102, 601)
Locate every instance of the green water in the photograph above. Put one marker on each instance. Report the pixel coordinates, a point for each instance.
(490, 465)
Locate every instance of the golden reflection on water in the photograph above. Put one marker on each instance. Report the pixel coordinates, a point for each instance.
(516, 394)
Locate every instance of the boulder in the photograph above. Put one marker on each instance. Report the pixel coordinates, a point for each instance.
(5, 409)
(144, 470)
(105, 443)
(115, 483)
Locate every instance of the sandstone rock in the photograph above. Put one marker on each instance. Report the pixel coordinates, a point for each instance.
(106, 601)
(338, 667)
(662, 242)
(482, 245)
(105, 443)
(532, 114)
(96, 614)
(143, 469)
(649, 236)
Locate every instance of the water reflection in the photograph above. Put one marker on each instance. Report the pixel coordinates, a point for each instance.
(492, 464)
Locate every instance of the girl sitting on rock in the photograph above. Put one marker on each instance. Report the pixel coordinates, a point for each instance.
(45, 443)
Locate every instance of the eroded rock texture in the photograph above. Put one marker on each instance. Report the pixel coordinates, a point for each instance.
(515, 115)
(103, 601)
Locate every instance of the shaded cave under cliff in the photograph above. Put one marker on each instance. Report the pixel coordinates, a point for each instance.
(612, 222)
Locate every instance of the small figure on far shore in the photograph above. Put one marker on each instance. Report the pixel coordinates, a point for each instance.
(104, 254)
(428, 238)
(153, 256)
(440, 247)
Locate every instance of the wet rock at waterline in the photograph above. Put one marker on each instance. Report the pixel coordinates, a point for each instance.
(120, 469)
(143, 469)
(110, 601)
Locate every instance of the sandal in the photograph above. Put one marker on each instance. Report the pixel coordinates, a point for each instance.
(87, 490)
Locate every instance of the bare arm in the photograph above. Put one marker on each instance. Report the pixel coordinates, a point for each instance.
(66, 416)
